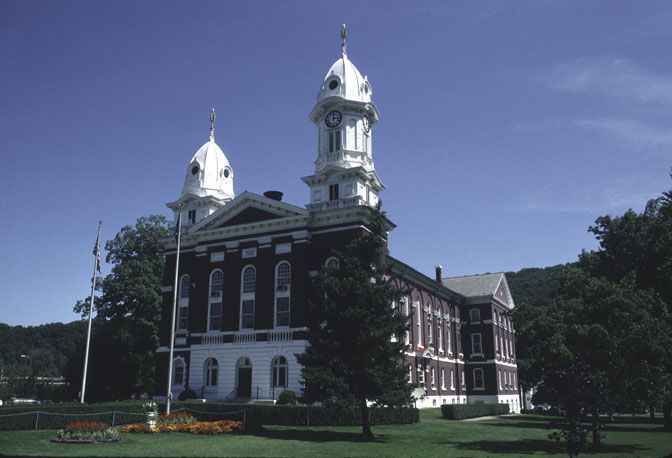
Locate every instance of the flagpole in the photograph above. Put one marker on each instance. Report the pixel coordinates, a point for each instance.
(169, 394)
(93, 292)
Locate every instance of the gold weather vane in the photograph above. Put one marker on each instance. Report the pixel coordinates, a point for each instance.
(212, 123)
(344, 34)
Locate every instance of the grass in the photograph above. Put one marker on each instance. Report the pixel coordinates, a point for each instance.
(434, 436)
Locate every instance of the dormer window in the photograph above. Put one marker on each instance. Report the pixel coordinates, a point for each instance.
(195, 169)
(333, 84)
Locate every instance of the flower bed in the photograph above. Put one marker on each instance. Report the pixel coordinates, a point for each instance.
(193, 427)
(86, 432)
(177, 418)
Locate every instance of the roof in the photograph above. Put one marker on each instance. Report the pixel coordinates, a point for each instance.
(474, 285)
(344, 80)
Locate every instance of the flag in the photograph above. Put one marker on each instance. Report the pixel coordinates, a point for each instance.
(96, 253)
(177, 226)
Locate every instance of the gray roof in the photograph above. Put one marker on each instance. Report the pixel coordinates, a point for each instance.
(474, 285)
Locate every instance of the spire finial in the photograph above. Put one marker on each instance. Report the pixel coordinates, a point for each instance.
(344, 34)
(212, 124)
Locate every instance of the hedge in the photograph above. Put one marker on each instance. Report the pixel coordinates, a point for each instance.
(462, 411)
(54, 416)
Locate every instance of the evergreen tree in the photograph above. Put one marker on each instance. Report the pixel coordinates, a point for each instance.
(352, 357)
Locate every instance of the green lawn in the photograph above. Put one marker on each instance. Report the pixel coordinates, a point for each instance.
(506, 436)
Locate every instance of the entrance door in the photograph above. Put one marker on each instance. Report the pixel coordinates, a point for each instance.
(244, 382)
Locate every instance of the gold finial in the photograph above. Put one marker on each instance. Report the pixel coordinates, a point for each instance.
(212, 123)
(344, 34)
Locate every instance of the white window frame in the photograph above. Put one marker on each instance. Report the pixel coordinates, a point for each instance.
(452, 379)
(449, 339)
(474, 341)
(183, 303)
(430, 340)
(282, 291)
(332, 263)
(247, 296)
(439, 336)
(433, 377)
(479, 370)
(418, 323)
(462, 378)
(179, 360)
(443, 378)
(278, 363)
(215, 297)
(501, 383)
(209, 366)
(407, 333)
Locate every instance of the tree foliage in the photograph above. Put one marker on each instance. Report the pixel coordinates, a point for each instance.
(125, 335)
(351, 357)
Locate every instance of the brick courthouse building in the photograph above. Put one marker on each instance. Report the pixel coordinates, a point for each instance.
(246, 262)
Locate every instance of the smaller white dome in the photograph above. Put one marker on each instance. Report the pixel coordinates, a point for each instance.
(209, 173)
(345, 81)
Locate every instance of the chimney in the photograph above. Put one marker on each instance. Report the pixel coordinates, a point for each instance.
(275, 195)
(438, 269)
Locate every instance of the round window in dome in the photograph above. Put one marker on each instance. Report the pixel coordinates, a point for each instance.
(226, 173)
(194, 170)
(333, 84)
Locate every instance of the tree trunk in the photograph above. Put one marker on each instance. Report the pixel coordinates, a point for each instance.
(596, 427)
(667, 414)
(366, 421)
(652, 410)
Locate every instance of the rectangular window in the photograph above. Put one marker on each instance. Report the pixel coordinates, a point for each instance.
(247, 321)
(191, 216)
(333, 192)
(418, 316)
(439, 336)
(338, 134)
(217, 257)
(462, 379)
(476, 346)
(281, 248)
(433, 378)
(282, 311)
(452, 379)
(215, 316)
(279, 376)
(179, 374)
(249, 253)
(479, 383)
(331, 141)
(500, 379)
(182, 315)
(450, 341)
(407, 333)
(429, 333)
(410, 373)
(443, 379)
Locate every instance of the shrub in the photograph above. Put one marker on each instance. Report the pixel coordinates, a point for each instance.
(287, 397)
(462, 411)
(186, 394)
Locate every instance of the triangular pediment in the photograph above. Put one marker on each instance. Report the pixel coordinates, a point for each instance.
(502, 293)
(248, 208)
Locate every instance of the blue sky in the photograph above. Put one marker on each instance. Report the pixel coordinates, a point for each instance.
(506, 127)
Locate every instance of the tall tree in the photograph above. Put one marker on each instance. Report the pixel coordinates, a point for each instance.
(352, 356)
(129, 311)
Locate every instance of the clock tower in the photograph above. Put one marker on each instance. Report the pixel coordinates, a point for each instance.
(344, 116)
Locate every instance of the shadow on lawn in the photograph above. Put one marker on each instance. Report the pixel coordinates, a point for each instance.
(531, 446)
(309, 435)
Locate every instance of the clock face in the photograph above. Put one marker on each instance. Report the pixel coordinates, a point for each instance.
(333, 118)
(366, 124)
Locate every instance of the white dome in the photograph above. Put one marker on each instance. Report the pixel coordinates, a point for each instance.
(209, 173)
(345, 81)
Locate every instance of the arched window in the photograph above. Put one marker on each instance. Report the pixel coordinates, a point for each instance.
(332, 263)
(215, 300)
(479, 382)
(211, 372)
(283, 282)
(279, 372)
(247, 297)
(183, 302)
(178, 372)
(474, 315)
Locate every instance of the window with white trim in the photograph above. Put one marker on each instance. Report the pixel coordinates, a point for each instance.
(283, 282)
(248, 297)
(496, 342)
(210, 372)
(476, 344)
(279, 372)
(475, 315)
(433, 378)
(479, 381)
(500, 379)
(407, 333)
(452, 379)
(183, 303)
(215, 300)
(418, 323)
(430, 341)
(439, 336)
(462, 382)
(178, 372)
(449, 339)
(501, 345)
(410, 373)
(335, 140)
(332, 263)
(333, 191)
(443, 378)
